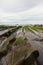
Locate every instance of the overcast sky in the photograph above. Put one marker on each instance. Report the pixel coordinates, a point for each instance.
(21, 11)
(17, 5)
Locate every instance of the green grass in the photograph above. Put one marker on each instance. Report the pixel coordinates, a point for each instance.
(3, 27)
(19, 41)
(22, 29)
(25, 27)
(37, 28)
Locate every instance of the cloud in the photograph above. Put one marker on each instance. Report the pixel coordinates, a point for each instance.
(17, 5)
(35, 11)
(30, 16)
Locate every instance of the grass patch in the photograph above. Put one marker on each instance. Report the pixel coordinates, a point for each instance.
(37, 28)
(19, 41)
(25, 27)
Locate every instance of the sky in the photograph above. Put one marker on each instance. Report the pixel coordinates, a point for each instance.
(21, 12)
